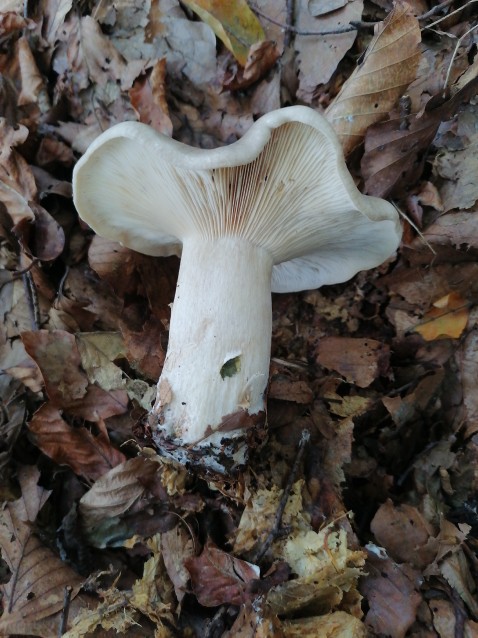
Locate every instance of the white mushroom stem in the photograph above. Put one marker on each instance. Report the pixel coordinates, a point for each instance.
(217, 365)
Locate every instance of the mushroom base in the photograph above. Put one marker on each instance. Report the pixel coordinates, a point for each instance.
(211, 393)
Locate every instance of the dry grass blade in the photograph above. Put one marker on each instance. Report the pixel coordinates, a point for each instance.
(388, 67)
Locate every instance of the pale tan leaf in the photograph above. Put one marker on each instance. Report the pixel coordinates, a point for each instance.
(117, 490)
(318, 55)
(98, 350)
(36, 588)
(388, 67)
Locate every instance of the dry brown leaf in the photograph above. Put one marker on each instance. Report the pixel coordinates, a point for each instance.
(10, 21)
(388, 67)
(285, 389)
(218, 578)
(33, 89)
(261, 58)
(391, 525)
(360, 361)
(117, 490)
(38, 580)
(467, 359)
(17, 184)
(148, 98)
(319, 55)
(459, 169)
(456, 229)
(88, 455)
(66, 384)
(391, 592)
(393, 149)
(177, 546)
(41, 237)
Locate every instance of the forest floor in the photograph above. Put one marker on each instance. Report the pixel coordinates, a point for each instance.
(358, 516)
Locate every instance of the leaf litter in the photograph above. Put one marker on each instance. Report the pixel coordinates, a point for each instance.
(359, 515)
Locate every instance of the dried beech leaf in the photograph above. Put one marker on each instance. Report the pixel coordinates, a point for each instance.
(360, 361)
(17, 184)
(388, 67)
(218, 578)
(117, 490)
(393, 149)
(261, 58)
(177, 546)
(391, 592)
(87, 455)
(57, 356)
(318, 55)
(467, 358)
(38, 579)
(391, 525)
(233, 23)
(42, 237)
(148, 98)
(98, 350)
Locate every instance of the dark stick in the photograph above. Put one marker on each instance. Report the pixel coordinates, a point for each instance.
(275, 531)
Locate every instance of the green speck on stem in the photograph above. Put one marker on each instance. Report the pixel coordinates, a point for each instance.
(231, 367)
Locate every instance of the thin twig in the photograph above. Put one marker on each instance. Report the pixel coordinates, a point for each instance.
(32, 299)
(275, 531)
(65, 611)
(352, 26)
(436, 9)
(289, 17)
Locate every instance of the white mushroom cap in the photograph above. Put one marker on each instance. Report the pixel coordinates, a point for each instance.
(283, 186)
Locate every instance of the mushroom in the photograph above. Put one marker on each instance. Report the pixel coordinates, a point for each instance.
(275, 211)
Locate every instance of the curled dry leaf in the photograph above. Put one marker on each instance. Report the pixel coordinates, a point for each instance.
(177, 546)
(36, 588)
(17, 184)
(261, 58)
(148, 98)
(10, 21)
(360, 361)
(117, 490)
(218, 578)
(42, 238)
(33, 89)
(388, 67)
(87, 455)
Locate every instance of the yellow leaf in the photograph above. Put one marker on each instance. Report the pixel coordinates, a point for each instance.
(447, 318)
(233, 23)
